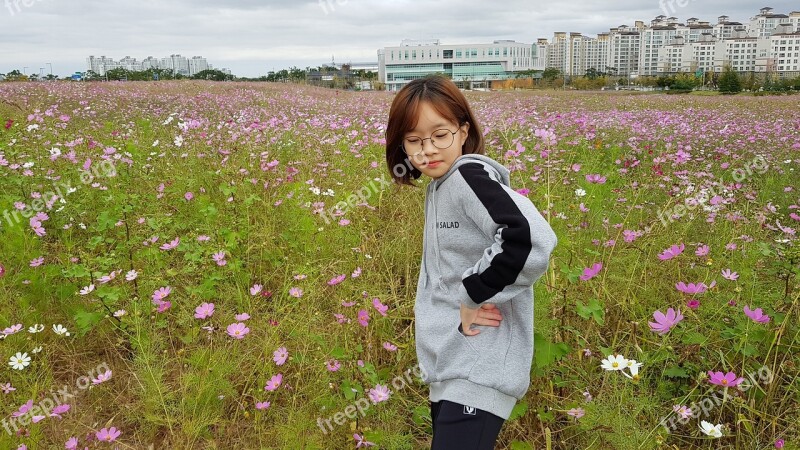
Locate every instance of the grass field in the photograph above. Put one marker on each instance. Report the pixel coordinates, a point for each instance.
(228, 266)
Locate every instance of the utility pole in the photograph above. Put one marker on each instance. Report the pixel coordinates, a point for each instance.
(51, 68)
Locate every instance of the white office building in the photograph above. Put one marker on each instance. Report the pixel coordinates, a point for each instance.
(468, 65)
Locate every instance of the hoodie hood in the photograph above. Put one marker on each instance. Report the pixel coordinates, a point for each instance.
(501, 173)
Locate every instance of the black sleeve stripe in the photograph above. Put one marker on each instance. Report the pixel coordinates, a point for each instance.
(506, 266)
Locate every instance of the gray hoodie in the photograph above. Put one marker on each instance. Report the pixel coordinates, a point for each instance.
(483, 243)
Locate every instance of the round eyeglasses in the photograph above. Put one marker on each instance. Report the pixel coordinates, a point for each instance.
(442, 139)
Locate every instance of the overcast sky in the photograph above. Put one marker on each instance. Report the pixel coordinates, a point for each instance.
(251, 37)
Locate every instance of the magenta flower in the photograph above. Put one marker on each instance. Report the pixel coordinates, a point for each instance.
(693, 288)
(363, 317)
(37, 262)
(389, 346)
(188, 196)
(242, 317)
(693, 304)
(296, 292)
(728, 275)
(262, 405)
(361, 441)
(163, 306)
(702, 250)
(333, 365)
(71, 444)
(219, 258)
(671, 252)
(280, 355)
(577, 413)
(204, 311)
(664, 322)
(724, 379)
(380, 307)
(171, 245)
(256, 289)
(595, 178)
(336, 280)
(379, 393)
(2, 270)
(591, 272)
(356, 273)
(274, 382)
(23, 409)
(60, 409)
(757, 315)
(238, 330)
(103, 377)
(161, 293)
(108, 434)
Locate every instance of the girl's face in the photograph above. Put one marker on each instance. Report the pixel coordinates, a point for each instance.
(434, 158)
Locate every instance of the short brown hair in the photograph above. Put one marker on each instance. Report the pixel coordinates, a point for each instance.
(447, 100)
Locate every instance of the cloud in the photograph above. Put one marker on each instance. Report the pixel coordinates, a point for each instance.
(252, 36)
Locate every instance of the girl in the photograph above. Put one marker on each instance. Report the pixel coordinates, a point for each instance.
(484, 246)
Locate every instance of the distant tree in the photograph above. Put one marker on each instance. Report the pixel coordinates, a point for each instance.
(551, 73)
(729, 82)
(16, 75)
(212, 74)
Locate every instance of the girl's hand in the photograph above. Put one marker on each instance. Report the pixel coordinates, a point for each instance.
(487, 314)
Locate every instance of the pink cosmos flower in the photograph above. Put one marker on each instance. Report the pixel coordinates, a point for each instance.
(103, 377)
(684, 412)
(256, 289)
(23, 409)
(241, 317)
(171, 245)
(363, 317)
(262, 405)
(12, 329)
(344, 222)
(757, 315)
(2, 270)
(280, 355)
(693, 288)
(380, 307)
(702, 250)
(333, 365)
(238, 330)
(671, 252)
(71, 444)
(577, 413)
(274, 382)
(693, 304)
(591, 272)
(7, 388)
(595, 178)
(219, 258)
(108, 434)
(389, 346)
(296, 292)
(379, 393)
(664, 322)
(161, 293)
(163, 306)
(362, 441)
(188, 196)
(728, 275)
(37, 262)
(204, 311)
(58, 410)
(336, 280)
(356, 273)
(724, 379)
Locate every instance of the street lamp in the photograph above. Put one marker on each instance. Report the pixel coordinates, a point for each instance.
(25, 70)
(51, 68)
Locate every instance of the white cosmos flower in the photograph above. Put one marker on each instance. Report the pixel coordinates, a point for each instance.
(86, 290)
(120, 313)
(634, 368)
(614, 362)
(60, 330)
(36, 328)
(710, 429)
(580, 192)
(131, 275)
(19, 361)
(36, 350)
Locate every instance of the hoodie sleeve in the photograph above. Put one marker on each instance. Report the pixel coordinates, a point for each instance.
(523, 240)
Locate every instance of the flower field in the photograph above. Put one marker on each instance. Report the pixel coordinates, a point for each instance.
(228, 266)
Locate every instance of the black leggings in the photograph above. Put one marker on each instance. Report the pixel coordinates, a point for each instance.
(460, 427)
